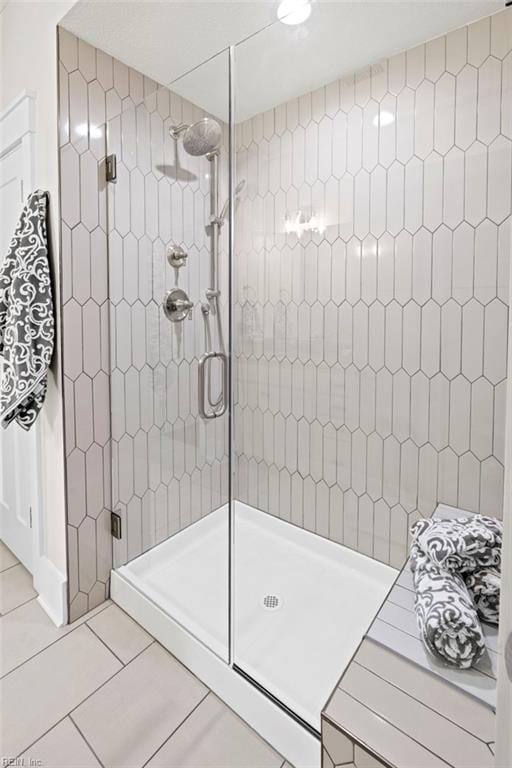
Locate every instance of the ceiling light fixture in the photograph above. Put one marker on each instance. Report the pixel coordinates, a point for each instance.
(294, 11)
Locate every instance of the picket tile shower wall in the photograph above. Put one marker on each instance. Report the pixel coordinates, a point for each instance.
(154, 461)
(371, 358)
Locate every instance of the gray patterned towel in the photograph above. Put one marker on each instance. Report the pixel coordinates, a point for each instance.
(26, 317)
(446, 615)
(462, 545)
(484, 587)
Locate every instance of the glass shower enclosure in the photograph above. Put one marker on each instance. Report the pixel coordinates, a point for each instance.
(169, 283)
(287, 350)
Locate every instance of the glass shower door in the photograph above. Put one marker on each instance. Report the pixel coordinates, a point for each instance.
(169, 426)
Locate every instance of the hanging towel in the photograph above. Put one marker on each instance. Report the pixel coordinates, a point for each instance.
(461, 545)
(446, 615)
(26, 317)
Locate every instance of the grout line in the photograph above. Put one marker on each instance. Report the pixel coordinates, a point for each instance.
(104, 643)
(19, 606)
(414, 698)
(57, 640)
(109, 679)
(177, 728)
(86, 741)
(10, 567)
(68, 714)
(393, 726)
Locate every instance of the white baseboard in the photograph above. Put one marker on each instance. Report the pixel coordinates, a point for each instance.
(51, 585)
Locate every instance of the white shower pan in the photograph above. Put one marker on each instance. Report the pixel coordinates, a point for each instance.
(301, 606)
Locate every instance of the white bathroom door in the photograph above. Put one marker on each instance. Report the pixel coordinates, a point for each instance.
(19, 460)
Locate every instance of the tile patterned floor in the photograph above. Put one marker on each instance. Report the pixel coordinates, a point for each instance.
(102, 692)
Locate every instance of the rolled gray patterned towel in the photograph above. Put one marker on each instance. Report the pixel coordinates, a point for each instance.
(484, 588)
(446, 615)
(463, 545)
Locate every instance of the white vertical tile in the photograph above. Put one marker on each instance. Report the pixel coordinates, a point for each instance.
(401, 405)
(448, 476)
(395, 198)
(435, 58)
(456, 50)
(387, 130)
(439, 411)
(344, 454)
(383, 402)
(422, 266)
(486, 248)
(499, 203)
(472, 340)
(385, 268)
(427, 480)
(409, 476)
(376, 331)
(360, 335)
(420, 392)
(476, 183)
(444, 119)
(491, 488)
(370, 135)
(424, 120)
(374, 466)
(469, 482)
(463, 258)
(415, 65)
(482, 405)
(451, 338)
(405, 125)
(453, 188)
(506, 100)
(354, 140)
(362, 204)
(442, 251)
(413, 195)
(396, 73)
(411, 337)
(460, 394)
(378, 182)
(358, 482)
(379, 75)
(479, 41)
(495, 341)
(403, 267)
(393, 353)
(432, 191)
(489, 98)
(430, 338)
(465, 107)
(391, 470)
(362, 86)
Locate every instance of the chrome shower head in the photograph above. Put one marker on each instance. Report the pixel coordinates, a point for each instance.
(202, 138)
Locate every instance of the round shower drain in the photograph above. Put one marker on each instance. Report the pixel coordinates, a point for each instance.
(271, 602)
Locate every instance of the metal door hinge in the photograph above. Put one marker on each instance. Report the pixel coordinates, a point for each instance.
(115, 525)
(111, 168)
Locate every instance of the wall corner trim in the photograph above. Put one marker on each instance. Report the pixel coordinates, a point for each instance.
(51, 585)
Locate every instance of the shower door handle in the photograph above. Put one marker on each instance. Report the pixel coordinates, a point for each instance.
(203, 361)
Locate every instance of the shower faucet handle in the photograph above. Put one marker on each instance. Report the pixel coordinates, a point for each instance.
(176, 256)
(177, 305)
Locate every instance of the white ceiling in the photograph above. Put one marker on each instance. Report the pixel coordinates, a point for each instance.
(167, 39)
